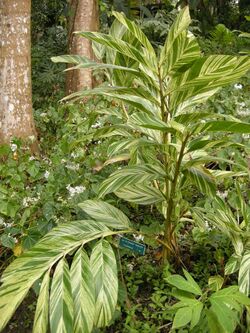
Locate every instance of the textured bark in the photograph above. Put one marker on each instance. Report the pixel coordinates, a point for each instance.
(16, 118)
(83, 17)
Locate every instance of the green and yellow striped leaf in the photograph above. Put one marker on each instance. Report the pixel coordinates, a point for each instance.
(244, 273)
(137, 32)
(179, 26)
(105, 213)
(132, 96)
(83, 292)
(120, 46)
(205, 76)
(104, 269)
(22, 273)
(61, 302)
(82, 62)
(203, 179)
(130, 175)
(42, 307)
(140, 194)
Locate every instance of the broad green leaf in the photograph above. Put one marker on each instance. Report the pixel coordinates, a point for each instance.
(227, 126)
(182, 317)
(83, 292)
(103, 266)
(23, 272)
(129, 176)
(42, 307)
(140, 194)
(215, 282)
(179, 282)
(192, 282)
(61, 302)
(224, 314)
(196, 314)
(105, 213)
(244, 273)
(213, 322)
(136, 31)
(233, 264)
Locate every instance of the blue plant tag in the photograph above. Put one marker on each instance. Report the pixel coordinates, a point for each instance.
(133, 246)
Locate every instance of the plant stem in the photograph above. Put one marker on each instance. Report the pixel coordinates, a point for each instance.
(169, 236)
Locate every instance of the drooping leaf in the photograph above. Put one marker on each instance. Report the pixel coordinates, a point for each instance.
(42, 306)
(61, 302)
(22, 273)
(105, 213)
(227, 126)
(83, 292)
(130, 175)
(127, 95)
(103, 266)
(82, 62)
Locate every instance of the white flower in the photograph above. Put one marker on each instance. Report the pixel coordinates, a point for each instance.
(32, 138)
(138, 237)
(46, 174)
(73, 166)
(74, 155)
(238, 86)
(243, 113)
(13, 147)
(29, 201)
(130, 267)
(222, 195)
(32, 158)
(242, 104)
(96, 125)
(207, 226)
(7, 225)
(75, 190)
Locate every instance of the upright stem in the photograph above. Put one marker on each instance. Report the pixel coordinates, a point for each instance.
(169, 236)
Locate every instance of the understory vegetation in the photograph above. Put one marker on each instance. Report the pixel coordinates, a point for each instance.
(134, 215)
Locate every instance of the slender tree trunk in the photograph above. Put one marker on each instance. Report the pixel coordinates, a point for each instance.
(83, 17)
(16, 118)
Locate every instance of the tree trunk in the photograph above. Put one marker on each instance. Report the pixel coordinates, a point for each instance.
(83, 17)
(16, 118)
